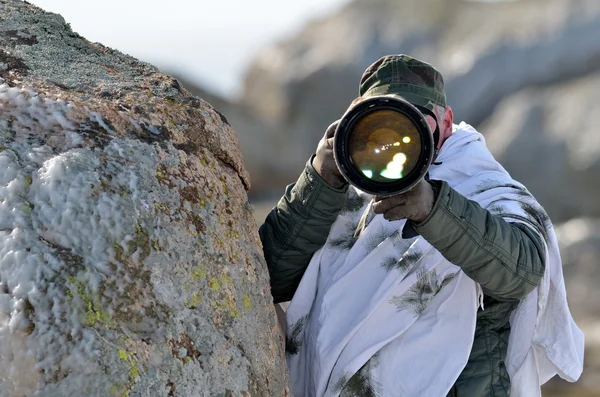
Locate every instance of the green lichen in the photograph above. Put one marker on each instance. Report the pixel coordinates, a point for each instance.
(114, 389)
(128, 358)
(141, 242)
(119, 251)
(232, 234)
(214, 284)
(117, 390)
(94, 313)
(247, 302)
(228, 305)
(27, 206)
(224, 301)
(122, 354)
(155, 246)
(225, 279)
(193, 302)
(139, 229)
(199, 274)
(225, 188)
(163, 207)
(131, 247)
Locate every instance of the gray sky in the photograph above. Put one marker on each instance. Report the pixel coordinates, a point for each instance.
(211, 41)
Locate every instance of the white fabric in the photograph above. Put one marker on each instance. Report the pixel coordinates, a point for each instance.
(400, 311)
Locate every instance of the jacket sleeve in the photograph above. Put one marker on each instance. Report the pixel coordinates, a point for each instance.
(506, 259)
(296, 228)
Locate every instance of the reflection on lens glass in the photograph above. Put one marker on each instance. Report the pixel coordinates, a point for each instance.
(385, 146)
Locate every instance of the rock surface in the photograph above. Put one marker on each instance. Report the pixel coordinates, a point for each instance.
(580, 249)
(579, 241)
(266, 150)
(130, 264)
(547, 137)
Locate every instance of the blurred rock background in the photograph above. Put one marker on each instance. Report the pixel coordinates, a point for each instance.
(526, 73)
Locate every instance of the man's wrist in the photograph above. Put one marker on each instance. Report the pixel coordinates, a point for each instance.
(430, 196)
(435, 186)
(438, 190)
(333, 181)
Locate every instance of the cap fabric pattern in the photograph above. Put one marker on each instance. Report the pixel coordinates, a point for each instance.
(416, 81)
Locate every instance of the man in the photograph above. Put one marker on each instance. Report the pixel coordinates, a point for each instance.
(371, 306)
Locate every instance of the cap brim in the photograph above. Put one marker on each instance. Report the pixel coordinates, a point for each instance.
(397, 90)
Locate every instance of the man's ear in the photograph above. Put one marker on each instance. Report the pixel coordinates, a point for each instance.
(448, 119)
(446, 126)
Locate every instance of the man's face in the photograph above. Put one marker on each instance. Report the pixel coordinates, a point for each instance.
(431, 122)
(444, 123)
(432, 125)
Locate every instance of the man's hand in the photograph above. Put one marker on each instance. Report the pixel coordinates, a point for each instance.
(414, 205)
(324, 162)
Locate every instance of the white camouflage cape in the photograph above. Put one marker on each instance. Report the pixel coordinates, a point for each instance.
(381, 316)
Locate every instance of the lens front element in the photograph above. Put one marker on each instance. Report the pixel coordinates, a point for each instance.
(384, 146)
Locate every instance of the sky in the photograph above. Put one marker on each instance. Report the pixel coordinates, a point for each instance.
(209, 41)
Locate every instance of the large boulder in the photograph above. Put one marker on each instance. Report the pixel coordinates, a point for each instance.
(130, 264)
(486, 50)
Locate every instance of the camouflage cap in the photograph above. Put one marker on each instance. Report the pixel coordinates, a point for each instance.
(414, 80)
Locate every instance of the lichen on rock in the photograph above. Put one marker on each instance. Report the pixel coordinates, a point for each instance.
(130, 264)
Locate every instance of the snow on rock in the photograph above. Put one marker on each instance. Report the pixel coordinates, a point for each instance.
(130, 264)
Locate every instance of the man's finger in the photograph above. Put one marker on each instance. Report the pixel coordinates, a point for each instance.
(399, 212)
(330, 142)
(415, 190)
(397, 198)
(330, 132)
(383, 205)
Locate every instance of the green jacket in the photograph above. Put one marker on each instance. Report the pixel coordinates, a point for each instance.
(506, 259)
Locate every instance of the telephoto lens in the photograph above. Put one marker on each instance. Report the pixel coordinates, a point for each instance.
(384, 146)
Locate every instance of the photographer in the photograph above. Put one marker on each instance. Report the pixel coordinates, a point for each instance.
(411, 294)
